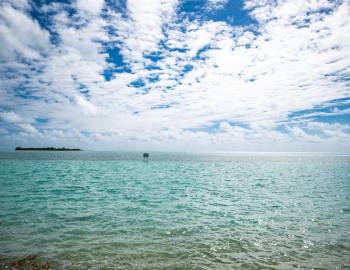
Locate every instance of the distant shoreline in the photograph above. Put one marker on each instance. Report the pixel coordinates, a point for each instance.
(46, 149)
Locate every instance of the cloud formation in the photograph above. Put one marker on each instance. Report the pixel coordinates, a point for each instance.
(20, 34)
(171, 74)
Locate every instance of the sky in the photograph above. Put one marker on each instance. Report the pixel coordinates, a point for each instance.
(176, 75)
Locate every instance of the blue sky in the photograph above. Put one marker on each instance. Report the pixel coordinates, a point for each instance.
(176, 75)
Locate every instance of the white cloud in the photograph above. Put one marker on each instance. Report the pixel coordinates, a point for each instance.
(87, 107)
(240, 87)
(216, 4)
(13, 119)
(18, 4)
(259, 79)
(20, 34)
(93, 7)
(143, 29)
(300, 134)
(10, 117)
(28, 129)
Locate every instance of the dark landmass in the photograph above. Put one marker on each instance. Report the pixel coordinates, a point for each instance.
(46, 149)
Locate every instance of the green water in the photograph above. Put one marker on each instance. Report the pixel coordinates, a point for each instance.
(105, 210)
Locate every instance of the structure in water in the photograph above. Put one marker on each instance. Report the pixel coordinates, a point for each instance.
(145, 156)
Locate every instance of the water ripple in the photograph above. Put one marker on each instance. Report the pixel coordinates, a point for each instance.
(177, 212)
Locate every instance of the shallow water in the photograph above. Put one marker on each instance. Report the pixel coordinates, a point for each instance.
(108, 210)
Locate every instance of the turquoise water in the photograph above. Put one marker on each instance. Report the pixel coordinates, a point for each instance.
(106, 210)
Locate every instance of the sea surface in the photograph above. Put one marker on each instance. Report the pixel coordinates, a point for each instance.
(112, 210)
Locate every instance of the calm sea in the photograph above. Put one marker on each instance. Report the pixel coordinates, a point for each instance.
(109, 210)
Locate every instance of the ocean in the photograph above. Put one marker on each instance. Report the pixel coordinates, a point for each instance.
(112, 210)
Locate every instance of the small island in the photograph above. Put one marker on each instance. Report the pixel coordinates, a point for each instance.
(46, 149)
